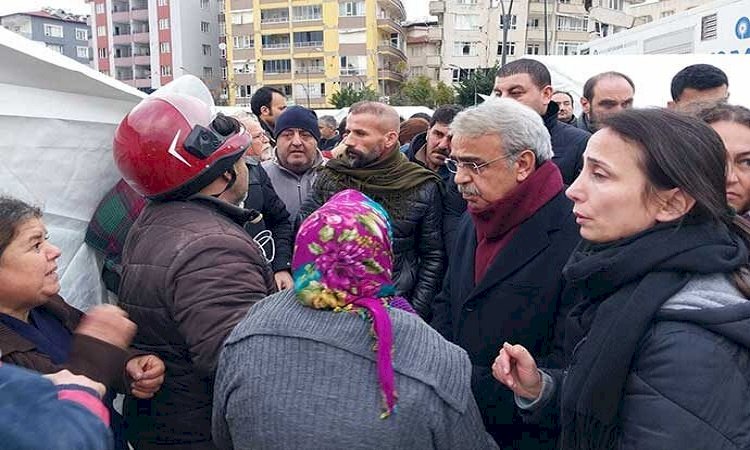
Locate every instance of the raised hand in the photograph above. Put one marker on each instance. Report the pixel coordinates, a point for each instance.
(516, 368)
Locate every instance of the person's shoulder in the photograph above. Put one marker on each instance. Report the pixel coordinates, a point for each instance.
(572, 132)
(265, 313)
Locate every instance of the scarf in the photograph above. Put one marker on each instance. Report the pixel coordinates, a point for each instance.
(623, 284)
(343, 261)
(496, 225)
(389, 180)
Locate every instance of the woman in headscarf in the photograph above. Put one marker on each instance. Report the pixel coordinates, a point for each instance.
(659, 343)
(340, 362)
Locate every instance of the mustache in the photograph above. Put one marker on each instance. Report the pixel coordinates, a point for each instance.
(468, 189)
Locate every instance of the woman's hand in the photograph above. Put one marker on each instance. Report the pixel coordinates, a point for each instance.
(147, 373)
(66, 377)
(283, 280)
(516, 368)
(108, 323)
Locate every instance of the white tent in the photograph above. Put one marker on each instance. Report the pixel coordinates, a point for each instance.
(651, 74)
(57, 119)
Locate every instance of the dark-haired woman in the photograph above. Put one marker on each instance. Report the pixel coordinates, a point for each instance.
(732, 122)
(660, 341)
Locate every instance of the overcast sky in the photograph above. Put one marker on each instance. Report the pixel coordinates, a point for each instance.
(414, 8)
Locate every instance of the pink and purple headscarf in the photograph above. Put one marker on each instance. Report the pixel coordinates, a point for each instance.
(343, 261)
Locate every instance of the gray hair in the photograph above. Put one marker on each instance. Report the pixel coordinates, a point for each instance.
(243, 116)
(518, 126)
(328, 121)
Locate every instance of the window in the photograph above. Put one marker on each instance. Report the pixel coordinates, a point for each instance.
(102, 53)
(101, 30)
(223, 52)
(353, 65)
(467, 2)
(100, 8)
(274, 15)
(53, 30)
(220, 4)
(244, 91)
(308, 39)
(163, 24)
(243, 41)
(82, 34)
(461, 74)
(224, 73)
(309, 12)
(533, 22)
(709, 28)
(163, 2)
(350, 9)
(277, 66)
(614, 4)
(567, 48)
(208, 72)
(567, 2)
(533, 49)
(275, 41)
(242, 17)
(510, 48)
(467, 22)
(206, 49)
(667, 13)
(204, 4)
(222, 27)
(82, 52)
(512, 24)
(205, 27)
(164, 47)
(567, 23)
(55, 47)
(166, 71)
(464, 48)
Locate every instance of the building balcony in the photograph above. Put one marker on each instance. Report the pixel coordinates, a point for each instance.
(611, 16)
(124, 61)
(437, 8)
(121, 16)
(278, 76)
(574, 10)
(305, 71)
(142, 60)
(312, 46)
(387, 74)
(122, 39)
(435, 34)
(389, 48)
(396, 6)
(139, 14)
(141, 38)
(389, 25)
(143, 82)
(353, 71)
(276, 46)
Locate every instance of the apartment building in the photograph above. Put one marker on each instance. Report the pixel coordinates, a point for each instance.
(472, 30)
(309, 49)
(423, 45)
(67, 34)
(644, 13)
(147, 43)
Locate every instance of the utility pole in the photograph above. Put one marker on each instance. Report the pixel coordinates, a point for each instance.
(546, 45)
(506, 26)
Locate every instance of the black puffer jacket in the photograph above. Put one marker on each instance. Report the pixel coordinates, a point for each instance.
(190, 274)
(417, 238)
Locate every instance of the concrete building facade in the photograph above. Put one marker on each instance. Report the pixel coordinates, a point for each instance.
(64, 33)
(423, 45)
(147, 43)
(309, 49)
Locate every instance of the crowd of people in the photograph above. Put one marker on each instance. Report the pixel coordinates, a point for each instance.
(502, 276)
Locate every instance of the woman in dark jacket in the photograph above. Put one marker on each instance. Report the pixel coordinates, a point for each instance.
(659, 343)
(39, 331)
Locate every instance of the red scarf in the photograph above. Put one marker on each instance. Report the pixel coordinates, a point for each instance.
(497, 224)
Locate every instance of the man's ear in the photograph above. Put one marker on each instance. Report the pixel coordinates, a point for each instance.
(265, 110)
(671, 105)
(525, 165)
(391, 138)
(547, 94)
(675, 203)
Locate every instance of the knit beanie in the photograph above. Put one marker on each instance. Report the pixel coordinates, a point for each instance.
(298, 117)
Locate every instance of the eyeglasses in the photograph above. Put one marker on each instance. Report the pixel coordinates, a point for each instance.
(454, 165)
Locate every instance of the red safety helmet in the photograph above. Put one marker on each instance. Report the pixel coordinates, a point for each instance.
(166, 147)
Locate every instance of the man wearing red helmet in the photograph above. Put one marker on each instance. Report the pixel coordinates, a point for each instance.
(189, 270)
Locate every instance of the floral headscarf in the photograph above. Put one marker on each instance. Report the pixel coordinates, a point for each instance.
(343, 261)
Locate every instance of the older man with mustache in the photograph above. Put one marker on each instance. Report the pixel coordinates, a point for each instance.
(504, 280)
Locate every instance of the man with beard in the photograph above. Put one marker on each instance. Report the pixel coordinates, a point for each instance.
(505, 279)
(565, 102)
(430, 150)
(410, 193)
(190, 271)
(603, 95)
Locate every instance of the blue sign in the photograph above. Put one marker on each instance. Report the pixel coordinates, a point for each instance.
(742, 29)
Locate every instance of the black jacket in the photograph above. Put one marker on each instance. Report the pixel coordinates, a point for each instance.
(330, 143)
(522, 299)
(453, 203)
(417, 239)
(568, 143)
(269, 131)
(262, 197)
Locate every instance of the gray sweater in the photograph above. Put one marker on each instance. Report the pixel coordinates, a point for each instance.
(291, 377)
(291, 188)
